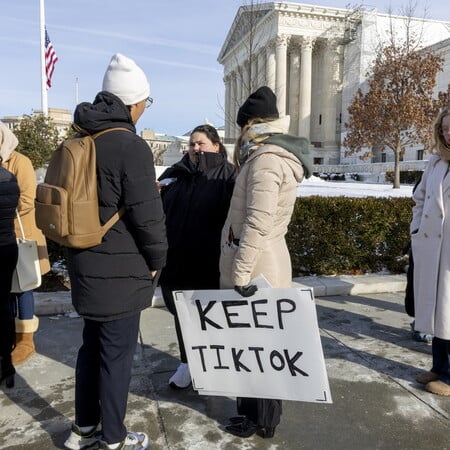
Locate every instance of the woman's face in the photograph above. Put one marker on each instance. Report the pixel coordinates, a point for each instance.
(445, 127)
(199, 142)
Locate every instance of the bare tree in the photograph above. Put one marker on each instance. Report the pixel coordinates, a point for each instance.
(398, 108)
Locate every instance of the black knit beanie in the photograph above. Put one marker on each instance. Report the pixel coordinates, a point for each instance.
(262, 103)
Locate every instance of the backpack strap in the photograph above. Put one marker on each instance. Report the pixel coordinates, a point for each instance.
(96, 135)
(115, 218)
(82, 132)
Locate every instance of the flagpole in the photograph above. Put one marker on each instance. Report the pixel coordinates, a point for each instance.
(44, 99)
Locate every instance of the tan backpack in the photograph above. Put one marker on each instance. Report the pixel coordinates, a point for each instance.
(66, 203)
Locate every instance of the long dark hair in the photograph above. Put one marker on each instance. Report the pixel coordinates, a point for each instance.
(212, 134)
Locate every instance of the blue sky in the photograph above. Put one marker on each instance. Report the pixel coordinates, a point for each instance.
(176, 42)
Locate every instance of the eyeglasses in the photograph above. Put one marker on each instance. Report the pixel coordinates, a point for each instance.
(148, 102)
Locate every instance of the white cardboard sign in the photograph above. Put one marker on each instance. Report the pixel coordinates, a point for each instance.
(264, 346)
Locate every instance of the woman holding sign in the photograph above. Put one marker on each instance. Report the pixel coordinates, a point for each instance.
(271, 164)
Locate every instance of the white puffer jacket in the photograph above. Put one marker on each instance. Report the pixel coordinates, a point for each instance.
(258, 218)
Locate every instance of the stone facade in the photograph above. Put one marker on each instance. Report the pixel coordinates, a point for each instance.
(160, 143)
(62, 119)
(314, 58)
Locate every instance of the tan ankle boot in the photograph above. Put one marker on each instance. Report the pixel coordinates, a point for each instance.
(24, 340)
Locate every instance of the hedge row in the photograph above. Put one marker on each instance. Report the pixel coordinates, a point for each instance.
(341, 235)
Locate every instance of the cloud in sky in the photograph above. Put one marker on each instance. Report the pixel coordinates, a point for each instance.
(194, 47)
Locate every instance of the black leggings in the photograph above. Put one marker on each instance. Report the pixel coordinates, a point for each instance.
(8, 261)
(170, 304)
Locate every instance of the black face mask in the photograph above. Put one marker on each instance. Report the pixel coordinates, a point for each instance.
(204, 161)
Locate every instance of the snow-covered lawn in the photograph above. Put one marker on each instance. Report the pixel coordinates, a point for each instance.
(317, 186)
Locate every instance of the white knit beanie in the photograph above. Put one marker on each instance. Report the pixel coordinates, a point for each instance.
(126, 79)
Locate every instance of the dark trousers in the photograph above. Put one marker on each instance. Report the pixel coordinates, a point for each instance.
(441, 359)
(265, 412)
(103, 374)
(8, 261)
(170, 304)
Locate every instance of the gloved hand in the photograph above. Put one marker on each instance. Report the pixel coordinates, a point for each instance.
(246, 291)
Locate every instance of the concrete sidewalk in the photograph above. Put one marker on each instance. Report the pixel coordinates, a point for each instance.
(371, 363)
(48, 303)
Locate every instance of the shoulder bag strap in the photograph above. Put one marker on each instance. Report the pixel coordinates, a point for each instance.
(20, 225)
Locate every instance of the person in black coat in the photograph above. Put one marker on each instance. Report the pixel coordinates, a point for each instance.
(114, 281)
(9, 198)
(196, 193)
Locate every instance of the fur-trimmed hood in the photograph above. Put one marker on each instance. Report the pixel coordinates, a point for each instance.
(8, 142)
(260, 136)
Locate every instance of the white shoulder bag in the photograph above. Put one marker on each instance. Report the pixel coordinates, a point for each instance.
(27, 275)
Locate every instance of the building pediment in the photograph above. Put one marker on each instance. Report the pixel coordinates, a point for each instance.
(247, 18)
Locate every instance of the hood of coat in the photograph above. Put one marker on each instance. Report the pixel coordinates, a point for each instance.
(298, 146)
(292, 160)
(271, 137)
(8, 142)
(106, 111)
(259, 131)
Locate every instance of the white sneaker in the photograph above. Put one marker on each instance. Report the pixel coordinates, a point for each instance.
(133, 441)
(78, 440)
(181, 379)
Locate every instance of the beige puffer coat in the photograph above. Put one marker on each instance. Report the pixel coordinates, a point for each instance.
(259, 215)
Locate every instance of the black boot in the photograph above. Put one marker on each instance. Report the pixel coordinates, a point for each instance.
(268, 432)
(7, 371)
(243, 429)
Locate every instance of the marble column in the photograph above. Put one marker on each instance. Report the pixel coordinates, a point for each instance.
(227, 106)
(246, 82)
(270, 66)
(238, 98)
(293, 96)
(280, 70)
(304, 114)
(329, 89)
(261, 69)
(253, 68)
(234, 103)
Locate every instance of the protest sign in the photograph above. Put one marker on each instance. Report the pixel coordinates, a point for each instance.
(264, 346)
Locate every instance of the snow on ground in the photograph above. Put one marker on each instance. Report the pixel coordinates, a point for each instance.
(350, 188)
(317, 186)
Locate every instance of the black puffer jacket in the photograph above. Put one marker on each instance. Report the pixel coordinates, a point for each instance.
(112, 280)
(9, 197)
(196, 205)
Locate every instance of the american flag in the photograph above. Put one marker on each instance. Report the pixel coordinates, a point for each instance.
(50, 59)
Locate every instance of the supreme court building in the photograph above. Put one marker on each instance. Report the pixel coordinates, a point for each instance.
(314, 58)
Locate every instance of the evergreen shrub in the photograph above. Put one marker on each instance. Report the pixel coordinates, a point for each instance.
(406, 176)
(342, 235)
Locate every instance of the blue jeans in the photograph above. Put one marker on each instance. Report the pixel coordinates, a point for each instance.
(441, 359)
(23, 305)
